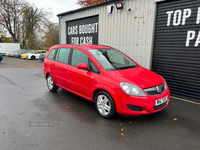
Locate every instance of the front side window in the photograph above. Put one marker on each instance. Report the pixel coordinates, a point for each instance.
(111, 59)
(63, 55)
(93, 68)
(51, 54)
(78, 57)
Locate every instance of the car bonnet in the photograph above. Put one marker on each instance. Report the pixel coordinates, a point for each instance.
(138, 76)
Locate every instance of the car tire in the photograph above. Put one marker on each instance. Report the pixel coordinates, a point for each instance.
(104, 104)
(32, 57)
(51, 84)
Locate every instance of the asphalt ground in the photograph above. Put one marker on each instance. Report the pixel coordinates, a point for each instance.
(32, 118)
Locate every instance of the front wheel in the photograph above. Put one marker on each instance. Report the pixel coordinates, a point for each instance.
(32, 57)
(51, 84)
(104, 104)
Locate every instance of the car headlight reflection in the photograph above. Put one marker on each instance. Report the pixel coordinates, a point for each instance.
(132, 89)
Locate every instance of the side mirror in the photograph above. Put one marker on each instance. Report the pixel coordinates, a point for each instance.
(82, 66)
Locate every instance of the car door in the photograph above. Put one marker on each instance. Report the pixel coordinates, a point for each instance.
(79, 79)
(36, 54)
(50, 63)
(61, 67)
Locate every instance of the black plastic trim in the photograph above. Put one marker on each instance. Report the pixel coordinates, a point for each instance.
(160, 106)
(134, 108)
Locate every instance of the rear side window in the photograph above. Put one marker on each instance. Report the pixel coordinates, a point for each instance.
(78, 57)
(63, 55)
(51, 54)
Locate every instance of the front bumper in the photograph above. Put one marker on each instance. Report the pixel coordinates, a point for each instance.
(135, 105)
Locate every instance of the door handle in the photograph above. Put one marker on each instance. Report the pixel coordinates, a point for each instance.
(69, 72)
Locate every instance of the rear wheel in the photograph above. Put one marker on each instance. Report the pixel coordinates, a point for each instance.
(51, 84)
(32, 57)
(104, 104)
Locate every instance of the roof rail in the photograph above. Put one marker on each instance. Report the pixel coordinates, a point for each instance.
(79, 46)
(106, 45)
(69, 44)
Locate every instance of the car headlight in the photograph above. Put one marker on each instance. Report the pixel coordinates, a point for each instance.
(132, 89)
(165, 83)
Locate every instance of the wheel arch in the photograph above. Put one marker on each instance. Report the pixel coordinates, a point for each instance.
(101, 87)
(33, 56)
(47, 74)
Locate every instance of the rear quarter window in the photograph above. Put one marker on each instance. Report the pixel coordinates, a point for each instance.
(51, 54)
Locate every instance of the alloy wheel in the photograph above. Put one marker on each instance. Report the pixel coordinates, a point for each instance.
(103, 105)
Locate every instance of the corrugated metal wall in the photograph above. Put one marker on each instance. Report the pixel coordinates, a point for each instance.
(128, 31)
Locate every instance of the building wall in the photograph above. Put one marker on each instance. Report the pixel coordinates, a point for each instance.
(128, 31)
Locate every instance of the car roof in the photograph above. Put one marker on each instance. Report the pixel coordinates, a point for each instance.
(86, 46)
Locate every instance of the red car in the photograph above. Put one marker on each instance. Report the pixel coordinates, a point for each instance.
(107, 77)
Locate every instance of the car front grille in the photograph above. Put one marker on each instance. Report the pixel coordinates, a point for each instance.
(156, 90)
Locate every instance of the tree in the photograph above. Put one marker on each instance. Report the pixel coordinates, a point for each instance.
(52, 35)
(2, 32)
(34, 20)
(85, 3)
(24, 22)
(6, 39)
(10, 17)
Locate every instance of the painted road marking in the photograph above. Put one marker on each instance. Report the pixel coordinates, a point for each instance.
(38, 65)
(185, 100)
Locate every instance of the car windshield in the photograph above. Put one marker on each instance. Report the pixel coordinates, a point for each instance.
(22, 51)
(112, 59)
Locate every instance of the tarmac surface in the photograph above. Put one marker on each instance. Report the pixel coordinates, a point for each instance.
(32, 118)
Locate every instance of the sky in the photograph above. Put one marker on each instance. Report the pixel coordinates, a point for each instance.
(55, 6)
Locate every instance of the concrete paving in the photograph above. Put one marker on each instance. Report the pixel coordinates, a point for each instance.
(32, 118)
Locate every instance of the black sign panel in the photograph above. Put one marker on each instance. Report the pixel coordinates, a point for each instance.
(176, 54)
(83, 31)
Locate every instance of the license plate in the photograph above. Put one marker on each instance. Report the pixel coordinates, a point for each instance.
(161, 101)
